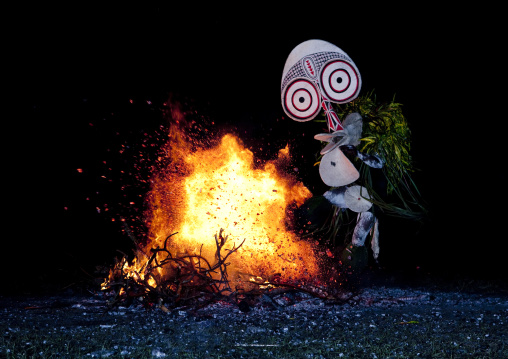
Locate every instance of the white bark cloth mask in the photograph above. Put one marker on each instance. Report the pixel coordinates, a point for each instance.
(317, 73)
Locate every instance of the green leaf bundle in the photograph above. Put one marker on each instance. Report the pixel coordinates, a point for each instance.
(386, 134)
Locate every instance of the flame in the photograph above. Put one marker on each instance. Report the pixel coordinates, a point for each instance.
(203, 191)
(225, 191)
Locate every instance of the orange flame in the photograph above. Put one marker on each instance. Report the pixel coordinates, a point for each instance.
(203, 191)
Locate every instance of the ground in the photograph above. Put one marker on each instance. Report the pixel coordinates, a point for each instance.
(390, 319)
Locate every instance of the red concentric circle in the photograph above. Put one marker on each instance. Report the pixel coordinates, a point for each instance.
(301, 100)
(340, 81)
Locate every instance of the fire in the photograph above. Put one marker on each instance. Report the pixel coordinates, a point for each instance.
(201, 192)
(226, 191)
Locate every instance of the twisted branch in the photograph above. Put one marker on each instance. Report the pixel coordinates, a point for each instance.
(178, 280)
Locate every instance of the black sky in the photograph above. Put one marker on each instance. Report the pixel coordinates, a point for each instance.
(81, 68)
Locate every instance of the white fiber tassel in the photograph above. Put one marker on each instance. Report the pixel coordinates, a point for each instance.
(374, 243)
(362, 228)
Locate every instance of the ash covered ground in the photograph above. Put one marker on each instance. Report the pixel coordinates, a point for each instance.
(385, 320)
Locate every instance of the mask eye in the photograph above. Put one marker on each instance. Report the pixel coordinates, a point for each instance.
(340, 81)
(301, 100)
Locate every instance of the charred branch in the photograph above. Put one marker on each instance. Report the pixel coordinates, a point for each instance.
(191, 280)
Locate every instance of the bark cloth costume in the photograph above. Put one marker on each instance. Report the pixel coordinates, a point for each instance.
(319, 75)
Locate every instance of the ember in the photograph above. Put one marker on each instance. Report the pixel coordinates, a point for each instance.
(216, 226)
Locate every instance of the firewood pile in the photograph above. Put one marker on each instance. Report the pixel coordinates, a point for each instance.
(171, 281)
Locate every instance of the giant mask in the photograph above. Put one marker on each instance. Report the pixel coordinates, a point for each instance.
(317, 73)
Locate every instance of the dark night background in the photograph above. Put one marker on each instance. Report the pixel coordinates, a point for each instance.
(77, 74)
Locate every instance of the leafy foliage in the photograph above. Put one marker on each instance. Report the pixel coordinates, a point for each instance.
(386, 134)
